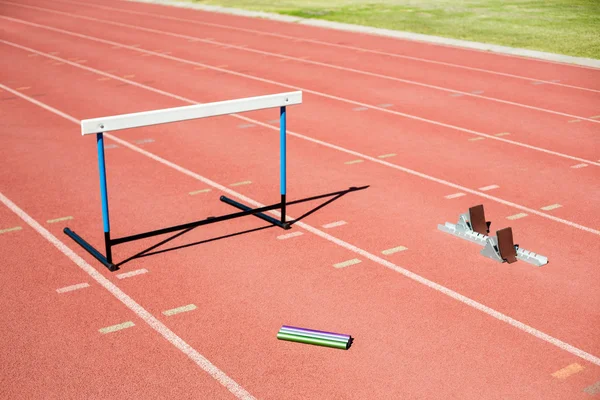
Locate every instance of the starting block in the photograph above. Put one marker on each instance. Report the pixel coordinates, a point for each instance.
(473, 227)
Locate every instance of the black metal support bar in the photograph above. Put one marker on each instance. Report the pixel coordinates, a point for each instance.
(107, 245)
(283, 208)
(90, 249)
(260, 215)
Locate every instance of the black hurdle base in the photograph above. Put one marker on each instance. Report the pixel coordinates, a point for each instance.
(107, 261)
(90, 249)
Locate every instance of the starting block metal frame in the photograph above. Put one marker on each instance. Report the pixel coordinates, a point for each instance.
(492, 248)
(99, 126)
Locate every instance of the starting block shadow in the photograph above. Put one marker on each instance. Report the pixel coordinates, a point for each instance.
(185, 228)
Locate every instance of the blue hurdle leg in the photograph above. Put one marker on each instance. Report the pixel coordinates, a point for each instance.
(103, 194)
(282, 175)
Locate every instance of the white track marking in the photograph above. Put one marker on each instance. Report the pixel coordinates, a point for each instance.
(241, 183)
(366, 50)
(394, 250)
(411, 275)
(115, 328)
(178, 310)
(321, 94)
(502, 134)
(348, 263)
(579, 166)
(486, 188)
(593, 389)
(476, 139)
(387, 155)
(567, 371)
(551, 207)
(73, 287)
(200, 191)
(14, 228)
(354, 162)
(289, 235)
(516, 216)
(141, 312)
(283, 57)
(313, 140)
(454, 196)
(132, 273)
(53, 221)
(334, 224)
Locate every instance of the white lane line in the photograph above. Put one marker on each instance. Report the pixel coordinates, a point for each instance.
(316, 93)
(132, 273)
(118, 327)
(241, 183)
(52, 221)
(360, 49)
(577, 166)
(313, 140)
(289, 235)
(551, 207)
(72, 287)
(178, 310)
(354, 162)
(141, 312)
(334, 224)
(199, 191)
(516, 216)
(347, 263)
(486, 188)
(14, 228)
(381, 261)
(455, 195)
(394, 250)
(387, 155)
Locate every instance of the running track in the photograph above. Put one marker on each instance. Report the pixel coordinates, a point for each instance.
(416, 122)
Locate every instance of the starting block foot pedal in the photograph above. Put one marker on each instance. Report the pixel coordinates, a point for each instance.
(501, 248)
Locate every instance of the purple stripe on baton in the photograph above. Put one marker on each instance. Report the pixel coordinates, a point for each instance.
(293, 328)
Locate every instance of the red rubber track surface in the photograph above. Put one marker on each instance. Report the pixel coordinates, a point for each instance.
(410, 341)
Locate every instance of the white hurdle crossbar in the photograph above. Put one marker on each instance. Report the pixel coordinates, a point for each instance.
(178, 114)
(99, 126)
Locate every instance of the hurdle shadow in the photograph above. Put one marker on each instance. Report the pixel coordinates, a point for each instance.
(152, 250)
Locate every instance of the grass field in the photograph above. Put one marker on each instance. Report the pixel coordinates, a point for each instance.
(569, 27)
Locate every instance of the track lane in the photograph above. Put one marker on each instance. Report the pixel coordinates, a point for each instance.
(465, 58)
(549, 97)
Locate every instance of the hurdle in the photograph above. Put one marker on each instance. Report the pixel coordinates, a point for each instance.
(99, 126)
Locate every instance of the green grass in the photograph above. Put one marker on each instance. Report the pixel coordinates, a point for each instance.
(570, 27)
